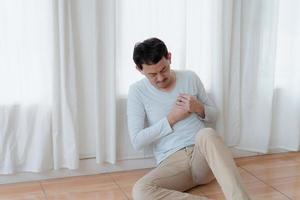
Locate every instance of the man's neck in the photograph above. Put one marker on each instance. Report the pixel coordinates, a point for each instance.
(171, 84)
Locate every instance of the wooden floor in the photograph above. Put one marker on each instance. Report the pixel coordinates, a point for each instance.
(274, 177)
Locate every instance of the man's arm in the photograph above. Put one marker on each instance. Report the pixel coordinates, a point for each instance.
(139, 135)
(176, 114)
(210, 109)
(191, 104)
(202, 105)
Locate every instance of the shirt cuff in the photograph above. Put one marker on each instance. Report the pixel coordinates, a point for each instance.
(166, 128)
(207, 112)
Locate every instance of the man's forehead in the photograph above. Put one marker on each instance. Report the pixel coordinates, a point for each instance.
(155, 68)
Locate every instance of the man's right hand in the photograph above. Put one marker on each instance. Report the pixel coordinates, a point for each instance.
(176, 114)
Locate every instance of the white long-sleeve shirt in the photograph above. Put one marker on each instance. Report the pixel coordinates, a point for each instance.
(148, 105)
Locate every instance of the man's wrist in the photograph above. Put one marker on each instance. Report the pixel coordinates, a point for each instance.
(171, 120)
(200, 110)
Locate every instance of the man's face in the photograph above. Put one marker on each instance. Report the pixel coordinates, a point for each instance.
(159, 74)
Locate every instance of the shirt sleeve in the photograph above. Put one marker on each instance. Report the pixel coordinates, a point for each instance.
(210, 109)
(140, 135)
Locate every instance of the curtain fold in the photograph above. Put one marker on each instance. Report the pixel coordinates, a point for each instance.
(64, 115)
(242, 75)
(38, 116)
(25, 86)
(258, 50)
(105, 81)
(286, 109)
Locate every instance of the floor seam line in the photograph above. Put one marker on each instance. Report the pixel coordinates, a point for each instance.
(265, 182)
(119, 187)
(45, 194)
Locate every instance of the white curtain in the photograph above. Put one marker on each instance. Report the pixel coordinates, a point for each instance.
(255, 79)
(38, 90)
(257, 65)
(64, 130)
(25, 86)
(105, 80)
(286, 102)
(65, 68)
(57, 100)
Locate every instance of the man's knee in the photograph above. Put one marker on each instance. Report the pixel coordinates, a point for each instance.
(205, 134)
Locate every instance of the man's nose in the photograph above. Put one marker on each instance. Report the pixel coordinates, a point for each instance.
(160, 77)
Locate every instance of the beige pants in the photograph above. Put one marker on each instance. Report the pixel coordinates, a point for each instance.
(190, 167)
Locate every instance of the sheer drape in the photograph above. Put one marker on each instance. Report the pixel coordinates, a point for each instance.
(286, 103)
(44, 113)
(105, 80)
(64, 108)
(38, 108)
(257, 70)
(257, 66)
(25, 86)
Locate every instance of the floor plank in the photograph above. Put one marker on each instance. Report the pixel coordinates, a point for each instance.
(267, 177)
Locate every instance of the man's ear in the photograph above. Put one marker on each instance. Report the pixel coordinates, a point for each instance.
(169, 56)
(141, 71)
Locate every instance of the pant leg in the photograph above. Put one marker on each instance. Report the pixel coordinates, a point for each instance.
(200, 169)
(219, 158)
(168, 180)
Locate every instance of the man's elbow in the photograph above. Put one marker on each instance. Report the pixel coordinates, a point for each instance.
(212, 117)
(136, 145)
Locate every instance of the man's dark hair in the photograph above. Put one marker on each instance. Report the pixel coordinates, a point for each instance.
(149, 52)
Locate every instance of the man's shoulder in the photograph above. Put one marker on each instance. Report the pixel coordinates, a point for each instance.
(188, 74)
(137, 86)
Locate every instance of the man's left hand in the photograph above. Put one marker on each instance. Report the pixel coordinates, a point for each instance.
(190, 104)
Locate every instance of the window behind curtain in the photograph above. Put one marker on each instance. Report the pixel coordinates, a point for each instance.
(25, 52)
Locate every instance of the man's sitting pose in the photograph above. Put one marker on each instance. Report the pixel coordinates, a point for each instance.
(175, 106)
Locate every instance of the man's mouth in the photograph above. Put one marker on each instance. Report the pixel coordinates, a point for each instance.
(160, 82)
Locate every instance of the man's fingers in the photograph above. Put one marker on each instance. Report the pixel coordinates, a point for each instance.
(180, 103)
(182, 99)
(185, 96)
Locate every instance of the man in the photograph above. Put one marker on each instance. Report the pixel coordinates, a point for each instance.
(175, 106)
